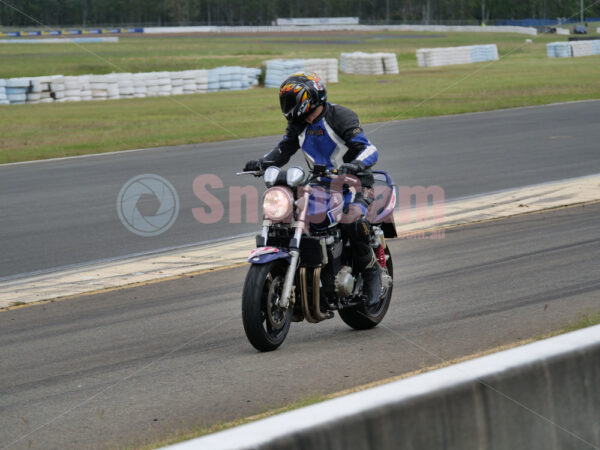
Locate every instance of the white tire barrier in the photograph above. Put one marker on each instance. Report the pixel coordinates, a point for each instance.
(433, 57)
(125, 85)
(360, 63)
(277, 70)
(326, 68)
(562, 31)
(573, 49)
(16, 90)
(3, 97)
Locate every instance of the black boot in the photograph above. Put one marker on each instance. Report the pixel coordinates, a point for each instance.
(372, 283)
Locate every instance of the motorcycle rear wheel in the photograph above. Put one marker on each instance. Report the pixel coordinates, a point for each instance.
(363, 317)
(265, 323)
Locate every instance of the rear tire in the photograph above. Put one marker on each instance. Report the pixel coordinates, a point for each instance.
(363, 317)
(265, 323)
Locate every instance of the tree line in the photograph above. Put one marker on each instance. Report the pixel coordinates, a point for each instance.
(265, 12)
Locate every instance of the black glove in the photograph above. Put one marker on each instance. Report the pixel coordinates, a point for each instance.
(352, 168)
(253, 165)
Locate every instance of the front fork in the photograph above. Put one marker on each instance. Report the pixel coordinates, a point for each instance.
(300, 226)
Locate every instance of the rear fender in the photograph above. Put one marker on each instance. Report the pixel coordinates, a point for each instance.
(263, 255)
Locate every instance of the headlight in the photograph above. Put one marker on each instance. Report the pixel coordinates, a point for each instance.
(277, 203)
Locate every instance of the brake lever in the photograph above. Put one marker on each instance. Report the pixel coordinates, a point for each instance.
(256, 173)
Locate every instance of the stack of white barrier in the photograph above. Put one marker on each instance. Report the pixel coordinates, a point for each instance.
(573, 49)
(279, 69)
(165, 87)
(41, 86)
(140, 89)
(360, 63)
(3, 98)
(225, 76)
(98, 86)
(57, 88)
(189, 82)
(73, 88)
(112, 86)
(125, 85)
(176, 83)
(326, 68)
(390, 63)
(34, 93)
(152, 86)
(432, 57)
(86, 89)
(582, 48)
(559, 50)
(562, 31)
(213, 83)
(16, 90)
(253, 75)
(201, 77)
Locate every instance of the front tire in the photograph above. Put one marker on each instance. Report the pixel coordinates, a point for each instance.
(265, 323)
(363, 317)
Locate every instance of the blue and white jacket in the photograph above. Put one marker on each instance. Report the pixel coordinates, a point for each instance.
(334, 138)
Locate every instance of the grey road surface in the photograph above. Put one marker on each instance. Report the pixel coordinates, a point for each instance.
(57, 213)
(132, 365)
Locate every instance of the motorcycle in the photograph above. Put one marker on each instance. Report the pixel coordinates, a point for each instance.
(302, 268)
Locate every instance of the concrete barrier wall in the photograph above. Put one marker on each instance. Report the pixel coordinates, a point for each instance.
(540, 396)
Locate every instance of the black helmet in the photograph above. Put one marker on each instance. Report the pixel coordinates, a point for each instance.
(301, 93)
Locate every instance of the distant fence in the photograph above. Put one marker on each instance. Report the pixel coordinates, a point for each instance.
(363, 28)
(81, 40)
(318, 21)
(275, 29)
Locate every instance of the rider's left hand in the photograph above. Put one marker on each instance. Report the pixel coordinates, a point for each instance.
(352, 168)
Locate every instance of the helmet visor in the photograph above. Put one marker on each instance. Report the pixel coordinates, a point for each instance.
(288, 102)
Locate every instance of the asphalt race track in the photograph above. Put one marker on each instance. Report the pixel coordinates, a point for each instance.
(130, 365)
(63, 212)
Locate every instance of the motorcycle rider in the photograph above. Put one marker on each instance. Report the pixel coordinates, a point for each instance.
(330, 135)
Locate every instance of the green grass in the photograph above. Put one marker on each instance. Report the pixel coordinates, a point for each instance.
(588, 320)
(28, 132)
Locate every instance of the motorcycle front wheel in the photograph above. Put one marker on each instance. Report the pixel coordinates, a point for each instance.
(265, 323)
(363, 317)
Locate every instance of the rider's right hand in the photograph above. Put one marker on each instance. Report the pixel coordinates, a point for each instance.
(253, 165)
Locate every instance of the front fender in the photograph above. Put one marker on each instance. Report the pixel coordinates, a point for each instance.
(263, 255)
